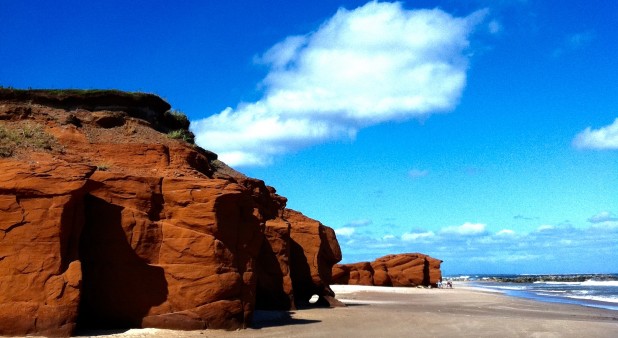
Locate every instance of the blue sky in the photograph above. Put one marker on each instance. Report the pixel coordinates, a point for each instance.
(483, 133)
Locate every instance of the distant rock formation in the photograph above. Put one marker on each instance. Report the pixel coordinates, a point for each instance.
(410, 269)
(107, 222)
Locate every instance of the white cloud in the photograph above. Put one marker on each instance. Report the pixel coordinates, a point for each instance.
(345, 231)
(603, 216)
(465, 229)
(416, 236)
(545, 227)
(505, 232)
(604, 220)
(559, 248)
(379, 62)
(603, 138)
(417, 173)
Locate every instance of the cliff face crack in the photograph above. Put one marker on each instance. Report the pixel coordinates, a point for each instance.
(6, 230)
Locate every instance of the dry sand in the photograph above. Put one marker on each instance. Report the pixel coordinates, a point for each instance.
(412, 312)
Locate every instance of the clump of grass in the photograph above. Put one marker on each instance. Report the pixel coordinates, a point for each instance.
(103, 167)
(27, 135)
(180, 117)
(182, 134)
(175, 119)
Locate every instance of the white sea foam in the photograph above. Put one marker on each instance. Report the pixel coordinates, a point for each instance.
(592, 282)
(515, 288)
(605, 299)
(589, 282)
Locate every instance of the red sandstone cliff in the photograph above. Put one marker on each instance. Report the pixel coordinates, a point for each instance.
(107, 222)
(412, 269)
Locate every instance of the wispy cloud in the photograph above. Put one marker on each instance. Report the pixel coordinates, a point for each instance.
(527, 218)
(574, 42)
(417, 173)
(603, 138)
(377, 63)
(494, 27)
(579, 40)
(603, 216)
(359, 223)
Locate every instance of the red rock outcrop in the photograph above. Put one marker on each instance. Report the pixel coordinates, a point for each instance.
(105, 222)
(411, 269)
(309, 263)
(41, 215)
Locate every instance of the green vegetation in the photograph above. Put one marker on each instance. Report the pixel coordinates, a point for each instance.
(180, 117)
(182, 134)
(68, 92)
(27, 135)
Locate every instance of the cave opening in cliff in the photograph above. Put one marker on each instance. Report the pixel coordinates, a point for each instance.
(118, 287)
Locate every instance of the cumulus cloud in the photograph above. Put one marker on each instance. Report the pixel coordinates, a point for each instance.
(545, 227)
(476, 250)
(377, 63)
(505, 232)
(603, 138)
(465, 229)
(413, 236)
(345, 231)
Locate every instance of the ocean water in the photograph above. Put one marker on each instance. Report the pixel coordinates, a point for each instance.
(600, 291)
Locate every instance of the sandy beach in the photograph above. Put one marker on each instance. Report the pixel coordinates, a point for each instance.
(413, 312)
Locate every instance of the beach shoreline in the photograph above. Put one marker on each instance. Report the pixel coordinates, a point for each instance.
(397, 312)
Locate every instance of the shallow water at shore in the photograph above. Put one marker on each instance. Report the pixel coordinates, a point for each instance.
(599, 291)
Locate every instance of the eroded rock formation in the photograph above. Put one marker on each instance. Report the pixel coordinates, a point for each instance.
(106, 222)
(411, 269)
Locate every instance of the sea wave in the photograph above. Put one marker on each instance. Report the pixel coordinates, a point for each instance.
(604, 299)
(600, 283)
(504, 287)
(590, 282)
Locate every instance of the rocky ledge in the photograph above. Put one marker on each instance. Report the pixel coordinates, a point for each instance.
(407, 270)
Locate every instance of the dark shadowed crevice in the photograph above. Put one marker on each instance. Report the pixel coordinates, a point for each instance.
(118, 287)
(426, 279)
(270, 293)
(300, 272)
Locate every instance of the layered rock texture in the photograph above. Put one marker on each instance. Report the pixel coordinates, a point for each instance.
(110, 219)
(411, 269)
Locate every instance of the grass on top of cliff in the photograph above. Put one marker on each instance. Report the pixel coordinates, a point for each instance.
(9, 92)
(23, 136)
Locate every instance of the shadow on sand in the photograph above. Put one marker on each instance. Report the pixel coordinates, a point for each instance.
(263, 319)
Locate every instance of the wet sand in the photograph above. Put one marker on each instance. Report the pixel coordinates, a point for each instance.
(413, 312)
